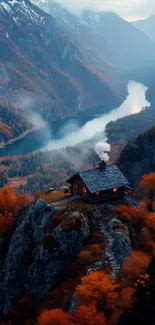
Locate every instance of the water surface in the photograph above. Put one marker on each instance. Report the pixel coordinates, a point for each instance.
(70, 132)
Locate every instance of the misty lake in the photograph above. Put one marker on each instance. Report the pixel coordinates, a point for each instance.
(71, 131)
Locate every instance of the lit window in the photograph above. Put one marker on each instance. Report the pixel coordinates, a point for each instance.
(97, 193)
(115, 190)
(84, 190)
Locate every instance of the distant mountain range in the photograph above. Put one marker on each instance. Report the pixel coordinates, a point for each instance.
(104, 38)
(58, 64)
(147, 26)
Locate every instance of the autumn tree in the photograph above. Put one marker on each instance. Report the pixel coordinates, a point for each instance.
(7, 201)
(134, 215)
(88, 315)
(11, 205)
(98, 288)
(22, 202)
(148, 184)
(54, 317)
(142, 310)
(125, 298)
(135, 265)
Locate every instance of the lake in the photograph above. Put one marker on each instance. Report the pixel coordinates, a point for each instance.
(84, 126)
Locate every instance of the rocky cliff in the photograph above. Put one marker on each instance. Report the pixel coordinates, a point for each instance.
(47, 239)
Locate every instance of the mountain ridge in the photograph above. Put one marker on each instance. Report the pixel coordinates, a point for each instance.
(46, 67)
(147, 26)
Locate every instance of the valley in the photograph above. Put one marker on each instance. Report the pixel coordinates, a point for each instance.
(84, 126)
(77, 162)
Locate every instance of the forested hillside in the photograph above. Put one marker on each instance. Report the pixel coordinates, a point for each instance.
(123, 130)
(38, 171)
(43, 71)
(138, 157)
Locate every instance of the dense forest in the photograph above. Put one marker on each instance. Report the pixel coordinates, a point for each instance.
(38, 171)
(128, 128)
(138, 157)
(12, 122)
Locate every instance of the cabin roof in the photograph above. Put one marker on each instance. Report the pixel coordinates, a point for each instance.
(97, 180)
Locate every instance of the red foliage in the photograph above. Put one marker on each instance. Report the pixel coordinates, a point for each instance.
(88, 315)
(148, 182)
(98, 287)
(135, 265)
(54, 317)
(125, 299)
(10, 206)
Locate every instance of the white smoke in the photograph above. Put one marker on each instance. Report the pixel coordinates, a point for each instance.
(28, 105)
(102, 149)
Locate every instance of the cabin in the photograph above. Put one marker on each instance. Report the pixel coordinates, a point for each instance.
(104, 182)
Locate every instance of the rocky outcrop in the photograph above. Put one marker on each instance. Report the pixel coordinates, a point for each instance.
(39, 253)
(48, 238)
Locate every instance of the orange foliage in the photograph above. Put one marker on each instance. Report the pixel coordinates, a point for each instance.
(131, 214)
(54, 317)
(143, 280)
(125, 299)
(22, 202)
(7, 201)
(10, 206)
(150, 222)
(148, 182)
(88, 315)
(135, 265)
(96, 287)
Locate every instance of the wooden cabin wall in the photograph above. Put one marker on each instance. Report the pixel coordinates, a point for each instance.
(77, 187)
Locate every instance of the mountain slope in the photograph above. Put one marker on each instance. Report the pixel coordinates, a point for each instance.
(105, 39)
(42, 69)
(138, 157)
(147, 26)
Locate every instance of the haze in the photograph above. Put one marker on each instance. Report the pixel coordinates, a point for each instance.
(134, 103)
(128, 9)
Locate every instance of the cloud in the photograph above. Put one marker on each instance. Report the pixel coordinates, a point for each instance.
(125, 8)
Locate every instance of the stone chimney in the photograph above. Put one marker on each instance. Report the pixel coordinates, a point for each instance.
(102, 165)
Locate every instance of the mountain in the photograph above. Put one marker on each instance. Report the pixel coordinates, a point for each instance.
(147, 26)
(42, 69)
(55, 64)
(104, 38)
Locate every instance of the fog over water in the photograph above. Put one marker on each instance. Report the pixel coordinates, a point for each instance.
(71, 134)
(71, 131)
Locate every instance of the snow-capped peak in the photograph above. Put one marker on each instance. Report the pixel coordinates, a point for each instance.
(16, 8)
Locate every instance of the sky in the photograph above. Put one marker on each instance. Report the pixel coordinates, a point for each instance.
(128, 9)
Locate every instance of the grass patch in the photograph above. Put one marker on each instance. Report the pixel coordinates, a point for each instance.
(54, 197)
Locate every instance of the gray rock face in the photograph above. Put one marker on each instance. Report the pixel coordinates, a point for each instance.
(118, 244)
(37, 258)
(96, 267)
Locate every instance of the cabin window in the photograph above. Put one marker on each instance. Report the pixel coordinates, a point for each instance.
(115, 190)
(84, 190)
(97, 193)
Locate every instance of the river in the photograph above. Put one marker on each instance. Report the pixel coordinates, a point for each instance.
(70, 132)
